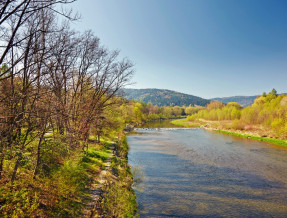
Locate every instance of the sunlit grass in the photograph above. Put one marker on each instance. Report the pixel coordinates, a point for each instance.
(279, 142)
(185, 123)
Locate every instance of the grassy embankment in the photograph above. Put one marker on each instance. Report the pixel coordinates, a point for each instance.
(186, 123)
(62, 189)
(119, 199)
(279, 142)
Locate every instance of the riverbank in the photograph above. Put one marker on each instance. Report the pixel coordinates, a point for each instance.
(118, 198)
(279, 142)
(258, 133)
(185, 123)
(86, 183)
(130, 127)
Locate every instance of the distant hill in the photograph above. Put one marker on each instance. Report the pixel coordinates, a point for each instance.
(243, 100)
(164, 97)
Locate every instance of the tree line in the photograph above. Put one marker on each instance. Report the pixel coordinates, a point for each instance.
(137, 112)
(57, 87)
(269, 111)
(52, 77)
(163, 97)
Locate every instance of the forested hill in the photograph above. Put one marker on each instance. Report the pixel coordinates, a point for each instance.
(164, 97)
(244, 101)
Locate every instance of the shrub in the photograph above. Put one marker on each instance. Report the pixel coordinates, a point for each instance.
(237, 124)
(19, 203)
(277, 123)
(119, 201)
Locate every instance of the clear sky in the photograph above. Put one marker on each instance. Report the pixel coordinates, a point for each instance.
(208, 48)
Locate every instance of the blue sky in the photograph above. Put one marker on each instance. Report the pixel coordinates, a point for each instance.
(208, 48)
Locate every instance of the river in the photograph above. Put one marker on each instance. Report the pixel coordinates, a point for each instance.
(198, 173)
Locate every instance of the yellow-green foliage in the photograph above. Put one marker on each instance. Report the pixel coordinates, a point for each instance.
(119, 201)
(191, 110)
(119, 197)
(269, 111)
(59, 191)
(19, 203)
(217, 111)
(185, 123)
(137, 112)
(237, 124)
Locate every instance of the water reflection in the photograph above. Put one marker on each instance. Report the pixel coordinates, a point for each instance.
(190, 173)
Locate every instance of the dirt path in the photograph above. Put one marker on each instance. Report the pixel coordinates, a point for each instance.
(94, 206)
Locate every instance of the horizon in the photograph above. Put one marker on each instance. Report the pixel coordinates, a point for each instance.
(203, 97)
(207, 48)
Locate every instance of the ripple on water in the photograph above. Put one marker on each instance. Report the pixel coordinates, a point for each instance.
(190, 173)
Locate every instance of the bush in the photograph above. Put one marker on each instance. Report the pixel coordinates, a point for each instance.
(19, 203)
(277, 123)
(119, 201)
(237, 124)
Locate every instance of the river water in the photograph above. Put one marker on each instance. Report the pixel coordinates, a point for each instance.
(198, 173)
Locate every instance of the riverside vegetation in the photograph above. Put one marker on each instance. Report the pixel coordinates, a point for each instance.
(58, 93)
(59, 100)
(265, 119)
(61, 106)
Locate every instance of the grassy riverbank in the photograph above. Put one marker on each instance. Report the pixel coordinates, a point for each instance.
(184, 123)
(62, 188)
(119, 198)
(217, 127)
(65, 178)
(279, 142)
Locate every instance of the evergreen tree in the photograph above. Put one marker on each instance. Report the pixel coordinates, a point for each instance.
(274, 92)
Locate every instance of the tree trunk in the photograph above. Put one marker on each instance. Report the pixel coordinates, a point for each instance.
(1, 163)
(19, 157)
(61, 128)
(39, 154)
(16, 168)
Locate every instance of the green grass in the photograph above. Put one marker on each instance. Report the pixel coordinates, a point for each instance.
(60, 189)
(103, 155)
(279, 142)
(120, 201)
(184, 123)
(119, 197)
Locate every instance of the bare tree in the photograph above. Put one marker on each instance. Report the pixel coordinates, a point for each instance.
(24, 50)
(52, 77)
(99, 78)
(13, 17)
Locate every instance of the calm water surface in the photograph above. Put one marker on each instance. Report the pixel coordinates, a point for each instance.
(197, 173)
